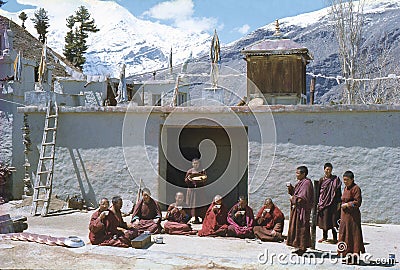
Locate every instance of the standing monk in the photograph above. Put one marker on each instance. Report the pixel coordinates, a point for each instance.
(329, 203)
(240, 220)
(350, 231)
(118, 233)
(269, 222)
(301, 202)
(97, 229)
(147, 214)
(215, 221)
(194, 195)
(178, 217)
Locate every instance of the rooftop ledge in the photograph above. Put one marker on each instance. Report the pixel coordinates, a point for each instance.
(218, 109)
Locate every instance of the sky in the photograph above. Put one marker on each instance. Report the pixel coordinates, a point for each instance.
(232, 19)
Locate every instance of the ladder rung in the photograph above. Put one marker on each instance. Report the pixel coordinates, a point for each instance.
(48, 143)
(47, 187)
(43, 172)
(51, 157)
(38, 200)
(51, 128)
(51, 116)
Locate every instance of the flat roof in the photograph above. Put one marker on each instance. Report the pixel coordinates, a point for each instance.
(218, 109)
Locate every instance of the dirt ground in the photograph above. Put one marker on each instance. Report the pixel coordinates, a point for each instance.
(177, 252)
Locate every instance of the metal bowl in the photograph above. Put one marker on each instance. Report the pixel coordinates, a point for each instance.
(74, 241)
(159, 240)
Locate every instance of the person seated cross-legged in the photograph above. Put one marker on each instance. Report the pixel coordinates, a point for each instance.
(147, 214)
(215, 222)
(269, 222)
(178, 217)
(241, 220)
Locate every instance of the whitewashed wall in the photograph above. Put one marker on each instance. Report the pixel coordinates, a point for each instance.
(90, 158)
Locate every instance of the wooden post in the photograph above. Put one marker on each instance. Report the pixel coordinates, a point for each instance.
(312, 89)
(314, 214)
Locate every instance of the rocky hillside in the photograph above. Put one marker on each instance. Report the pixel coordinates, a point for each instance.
(316, 32)
(31, 48)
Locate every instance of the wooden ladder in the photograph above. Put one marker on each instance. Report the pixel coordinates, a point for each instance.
(44, 175)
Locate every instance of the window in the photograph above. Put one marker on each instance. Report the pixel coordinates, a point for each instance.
(182, 98)
(156, 100)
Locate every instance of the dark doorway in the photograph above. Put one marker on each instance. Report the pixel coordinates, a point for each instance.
(189, 139)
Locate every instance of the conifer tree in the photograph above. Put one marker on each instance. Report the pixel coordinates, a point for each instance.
(23, 17)
(69, 49)
(79, 26)
(41, 22)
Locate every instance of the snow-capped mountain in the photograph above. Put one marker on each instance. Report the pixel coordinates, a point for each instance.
(145, 46)
(142, 45)
(315, 31)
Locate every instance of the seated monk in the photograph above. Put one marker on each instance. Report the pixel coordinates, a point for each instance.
(177, 216)
(147, 214)
(240, 220)
(118, 233)
(269, 223)
(215, 223)
(97, 229)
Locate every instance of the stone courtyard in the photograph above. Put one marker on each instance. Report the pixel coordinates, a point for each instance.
(179, 252)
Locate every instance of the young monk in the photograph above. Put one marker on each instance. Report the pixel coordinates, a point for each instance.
(240, 220)
(350, 219)
(97, 232)
(215, 221)
(118, 232)
(147, 214)
(301, 202)
(269, 222)
(178, 217)
(193, 195)
(329, 203)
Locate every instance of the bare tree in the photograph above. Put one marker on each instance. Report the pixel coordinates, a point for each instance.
(378, 67)
(348, 21)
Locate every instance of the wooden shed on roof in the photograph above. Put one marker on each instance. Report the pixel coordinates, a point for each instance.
(276, 69)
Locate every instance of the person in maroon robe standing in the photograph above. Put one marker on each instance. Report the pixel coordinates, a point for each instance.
(240, 219)
(215, 222)
(301, 202)
(350, 234)
(178, 217)
(118, 232)
(147, 214)
(97, 229)
(193, 195)
(329, 203)
(269, 222)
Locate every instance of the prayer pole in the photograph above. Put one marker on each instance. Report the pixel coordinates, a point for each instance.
(312, 90)
(314, 214)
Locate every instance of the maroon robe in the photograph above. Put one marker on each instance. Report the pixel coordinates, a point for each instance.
(215, 222)
(97, 229)
(241, 226)
(329, 199)
(194, 196)
(146, 213)
(268, 222)
(302, 200)
(177, 221)
(114, 236)
(350, 221)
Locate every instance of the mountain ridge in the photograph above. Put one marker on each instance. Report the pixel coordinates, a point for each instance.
(136, 43)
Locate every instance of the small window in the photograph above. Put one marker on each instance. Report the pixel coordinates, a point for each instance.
(182, 98)
(156, 100)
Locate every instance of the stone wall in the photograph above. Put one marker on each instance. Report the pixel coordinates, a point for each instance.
(94, 157)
